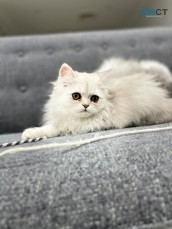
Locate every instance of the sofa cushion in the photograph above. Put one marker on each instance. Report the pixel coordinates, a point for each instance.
(122, 182)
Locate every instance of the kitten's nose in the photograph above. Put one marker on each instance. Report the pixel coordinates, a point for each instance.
(85, 105)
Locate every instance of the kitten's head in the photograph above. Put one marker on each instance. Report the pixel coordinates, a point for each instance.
(82, 93)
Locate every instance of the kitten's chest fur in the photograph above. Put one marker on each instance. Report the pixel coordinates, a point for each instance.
(73, 125)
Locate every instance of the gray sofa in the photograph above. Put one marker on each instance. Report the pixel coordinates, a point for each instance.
(123, 182)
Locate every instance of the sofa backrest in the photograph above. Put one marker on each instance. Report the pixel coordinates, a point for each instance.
(29, 63)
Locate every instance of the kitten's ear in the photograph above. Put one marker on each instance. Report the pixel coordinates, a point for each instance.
(67, 74)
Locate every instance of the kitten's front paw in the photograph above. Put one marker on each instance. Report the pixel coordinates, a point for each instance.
(31, 133)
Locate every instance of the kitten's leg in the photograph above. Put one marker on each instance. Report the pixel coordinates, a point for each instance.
(40, 132)
(121, 121)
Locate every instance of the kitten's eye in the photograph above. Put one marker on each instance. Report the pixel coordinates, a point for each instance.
(94, 98)
(76, 96)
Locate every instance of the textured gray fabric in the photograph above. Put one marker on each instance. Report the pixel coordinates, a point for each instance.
(121, 183)
(28, 64)
(124, 182)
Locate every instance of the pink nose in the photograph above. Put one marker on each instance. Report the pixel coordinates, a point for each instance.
(85, 105)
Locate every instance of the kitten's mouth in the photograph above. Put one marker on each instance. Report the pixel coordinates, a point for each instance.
(84, 111)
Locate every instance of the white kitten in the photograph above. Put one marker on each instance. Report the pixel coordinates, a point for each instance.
(127, 94)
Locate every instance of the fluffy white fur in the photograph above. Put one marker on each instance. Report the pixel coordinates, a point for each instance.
(130, 92)
(122, 67)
